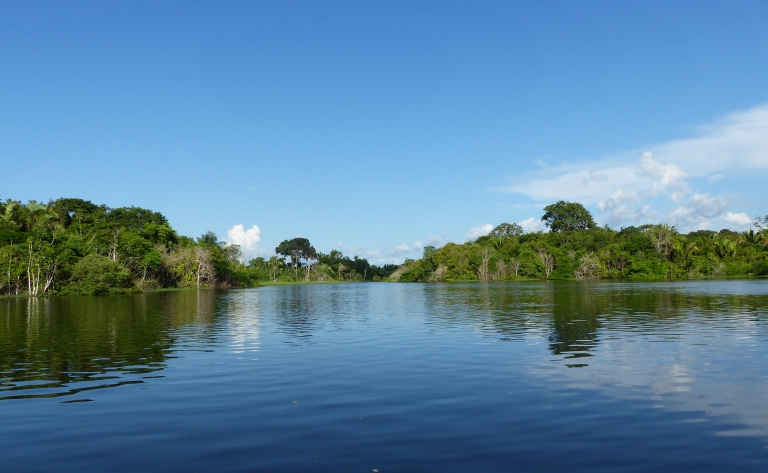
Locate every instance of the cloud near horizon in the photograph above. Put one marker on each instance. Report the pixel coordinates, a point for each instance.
(478, 231)
(658, 183)
(247, 239)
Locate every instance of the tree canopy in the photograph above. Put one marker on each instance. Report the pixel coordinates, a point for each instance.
(578, 249)
(73, 246)
(506, 230)
(567, 216)
(296, 249)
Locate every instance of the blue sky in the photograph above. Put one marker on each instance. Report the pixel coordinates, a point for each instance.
(380, 127)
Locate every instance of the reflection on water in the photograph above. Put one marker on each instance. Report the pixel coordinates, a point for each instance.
(55, 346)
(576, 314)
(577, 376)
(691, 346)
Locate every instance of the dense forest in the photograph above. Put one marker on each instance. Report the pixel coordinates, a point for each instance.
(72, 246)
(575, 247)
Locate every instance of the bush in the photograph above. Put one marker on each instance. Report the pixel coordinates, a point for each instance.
(737, 268)
(417, 272)
(760, 267)
(99, 275)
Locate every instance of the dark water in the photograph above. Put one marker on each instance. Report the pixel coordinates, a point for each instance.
(390, 377)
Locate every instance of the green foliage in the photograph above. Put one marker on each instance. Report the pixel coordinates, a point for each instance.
(208, 239)
(565, 216)
(576, 248)
(506, 230)
(50, 248)
(76, 247)
(296, 249)
(334, 266)
(760, 267)
(418, 271)
(99, 275)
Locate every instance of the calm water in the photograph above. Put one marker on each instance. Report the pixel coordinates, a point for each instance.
(390, 377)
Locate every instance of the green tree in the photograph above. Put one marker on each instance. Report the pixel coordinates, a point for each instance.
(506, 230)
(663, 238)
(296, 249)
(209, 238)
(99, 275)
(567, 216)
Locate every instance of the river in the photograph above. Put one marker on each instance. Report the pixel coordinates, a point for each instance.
(531, 376)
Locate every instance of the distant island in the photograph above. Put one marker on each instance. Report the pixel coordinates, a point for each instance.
(72, 246)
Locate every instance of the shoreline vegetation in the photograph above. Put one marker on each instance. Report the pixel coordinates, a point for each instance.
(72, 246)
(576, 248)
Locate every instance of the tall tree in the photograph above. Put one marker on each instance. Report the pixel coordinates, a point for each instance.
(506, 230)
(296, 249)
(209, 238)
(567, 216)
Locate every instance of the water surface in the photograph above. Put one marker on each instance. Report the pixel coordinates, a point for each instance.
(576, 376)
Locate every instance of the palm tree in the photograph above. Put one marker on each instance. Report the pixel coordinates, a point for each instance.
(500, 241)
(9, 218)
(663, 238)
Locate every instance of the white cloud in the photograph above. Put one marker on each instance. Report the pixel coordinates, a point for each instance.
(571, 182)
(665, 175)
(739, 141)
(698, 212)
(478, 231)
(400, 249)
(653, 182)
(437, 240)
(532, 225)
(247, 239)
(715, 177)
(621, 206)
(741, 219)
(592, 182)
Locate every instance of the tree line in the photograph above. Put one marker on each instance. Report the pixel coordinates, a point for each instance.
(575, 247)
(306, 264)
(73, 246)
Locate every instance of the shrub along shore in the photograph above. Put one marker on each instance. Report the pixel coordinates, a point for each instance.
(72, 246)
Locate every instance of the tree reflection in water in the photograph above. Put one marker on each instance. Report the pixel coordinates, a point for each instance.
(55, 346)
(577, 315)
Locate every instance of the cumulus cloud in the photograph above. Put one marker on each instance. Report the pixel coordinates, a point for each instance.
(437, 240)
(620, 206)
(405, 250)
(655, 182)
(400, 249)
(664, 176)
(247, 239)
(532, 225)
(698, 211)
(478, 231)
(741, 219)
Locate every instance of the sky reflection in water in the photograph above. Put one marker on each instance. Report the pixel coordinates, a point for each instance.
(578, 375)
